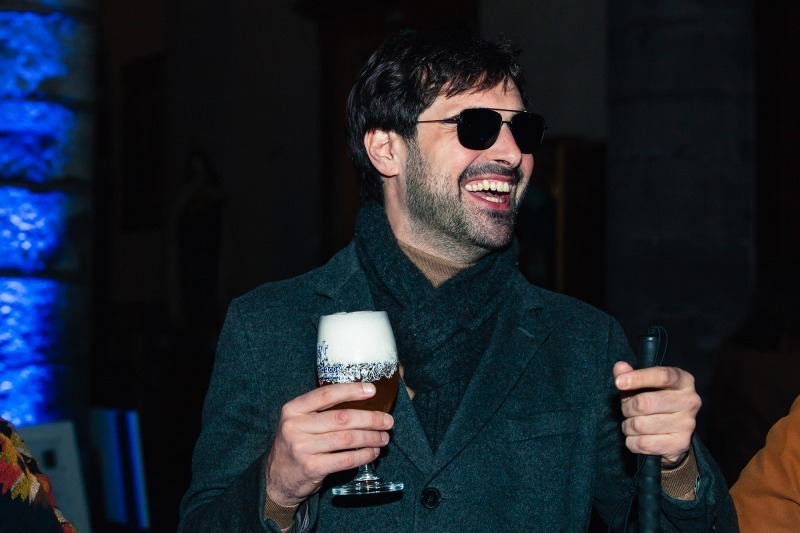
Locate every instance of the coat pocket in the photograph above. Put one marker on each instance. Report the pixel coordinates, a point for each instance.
(540, 425)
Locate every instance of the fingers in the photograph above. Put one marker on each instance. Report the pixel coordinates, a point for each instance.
(660, 406)
(293, 477)
(343, 441)
(310, 444)
(326, 397)
(661, 402)
(316, 423)
(339, 419)
(680, 427)
(339, 429)
(657, 377)
(349, 459)
(621, 367)
(667, 435)
(670, 448)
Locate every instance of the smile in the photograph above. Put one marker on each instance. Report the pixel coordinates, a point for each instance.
(488, 185)
(493, 191)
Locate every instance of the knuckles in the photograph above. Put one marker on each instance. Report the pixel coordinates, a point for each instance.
(341, 417)
(642, 403)
(286, 426)
(648, 445)
(327, 396)
(636, 426)
(346, 461)
(345, 440)
(697, 403)
(672, 375)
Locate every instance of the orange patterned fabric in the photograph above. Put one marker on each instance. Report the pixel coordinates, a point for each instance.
(25, 492)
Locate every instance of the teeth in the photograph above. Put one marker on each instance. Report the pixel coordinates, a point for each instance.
(486, 185)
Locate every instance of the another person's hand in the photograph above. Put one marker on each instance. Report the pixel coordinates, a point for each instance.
(660, 406)
(311, 443)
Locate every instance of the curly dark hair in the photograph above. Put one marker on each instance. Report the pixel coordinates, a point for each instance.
(407, 73)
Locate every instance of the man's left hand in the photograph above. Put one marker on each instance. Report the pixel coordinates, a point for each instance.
(660, 407)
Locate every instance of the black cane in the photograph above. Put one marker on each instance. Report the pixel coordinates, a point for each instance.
(649, 480)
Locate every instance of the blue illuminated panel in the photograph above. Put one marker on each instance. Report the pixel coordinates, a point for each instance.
(32, 227)
(36, 128)
(33, 50)
(33, 133)
(29, 327)
(33, 139)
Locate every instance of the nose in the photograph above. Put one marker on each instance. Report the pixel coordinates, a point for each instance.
(505, 149)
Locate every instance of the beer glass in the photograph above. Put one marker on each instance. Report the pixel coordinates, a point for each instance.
(360, 346)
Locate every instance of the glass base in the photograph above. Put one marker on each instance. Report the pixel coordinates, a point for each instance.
(366, 482)
(367, 486)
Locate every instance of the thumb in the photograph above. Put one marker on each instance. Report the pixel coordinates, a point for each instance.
(621, 367)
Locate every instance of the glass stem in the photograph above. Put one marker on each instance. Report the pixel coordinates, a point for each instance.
(366, 473)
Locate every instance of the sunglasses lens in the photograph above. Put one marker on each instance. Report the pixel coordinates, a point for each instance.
(478, 128)
(528, 130)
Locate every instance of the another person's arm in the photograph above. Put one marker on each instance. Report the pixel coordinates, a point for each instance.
(767, 493)
(26, 497)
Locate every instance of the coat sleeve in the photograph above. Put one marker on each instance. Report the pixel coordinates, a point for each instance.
(227, 490)
(712, 509)
(767, 493)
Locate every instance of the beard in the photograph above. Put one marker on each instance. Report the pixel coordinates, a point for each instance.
(439, 211)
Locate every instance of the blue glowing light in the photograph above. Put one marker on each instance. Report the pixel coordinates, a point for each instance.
(32, 226)
(33, 139)
(30, 327)
(35, 134)
(33, 49)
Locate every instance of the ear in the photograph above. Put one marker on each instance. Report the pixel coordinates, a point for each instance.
(385, 149)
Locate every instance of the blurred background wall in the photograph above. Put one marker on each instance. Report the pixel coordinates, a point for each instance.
(666, 187)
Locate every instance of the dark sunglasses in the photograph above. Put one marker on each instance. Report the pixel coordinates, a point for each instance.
(478, 128)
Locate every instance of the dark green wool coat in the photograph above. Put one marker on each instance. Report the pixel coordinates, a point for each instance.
(535, 443)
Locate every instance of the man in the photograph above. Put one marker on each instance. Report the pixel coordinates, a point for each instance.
(510, 415)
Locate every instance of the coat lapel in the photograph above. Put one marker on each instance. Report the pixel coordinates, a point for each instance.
(408, 435)
(522, 327)
(346, 289)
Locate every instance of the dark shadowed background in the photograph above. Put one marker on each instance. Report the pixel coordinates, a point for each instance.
(664, 193)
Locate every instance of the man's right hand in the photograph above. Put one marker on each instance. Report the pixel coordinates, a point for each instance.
(311, 442)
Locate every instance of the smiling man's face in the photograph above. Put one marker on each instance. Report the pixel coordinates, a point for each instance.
(457, 203)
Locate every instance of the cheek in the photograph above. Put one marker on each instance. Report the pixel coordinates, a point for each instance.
(527, 164)
(527, 169)
(452, 163)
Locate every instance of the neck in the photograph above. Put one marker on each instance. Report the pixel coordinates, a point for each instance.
(436, 245)
(435, 268)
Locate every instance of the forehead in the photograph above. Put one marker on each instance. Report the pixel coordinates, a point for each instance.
(501, 96)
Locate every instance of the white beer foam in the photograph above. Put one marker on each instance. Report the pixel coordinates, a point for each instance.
(357, 337)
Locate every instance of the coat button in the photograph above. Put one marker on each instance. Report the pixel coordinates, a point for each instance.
(431, 498)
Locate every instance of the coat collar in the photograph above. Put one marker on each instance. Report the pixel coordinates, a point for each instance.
(522, 328)
(343, 287)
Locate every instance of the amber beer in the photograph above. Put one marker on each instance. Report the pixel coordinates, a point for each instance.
(359, 347)
(385, 393)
